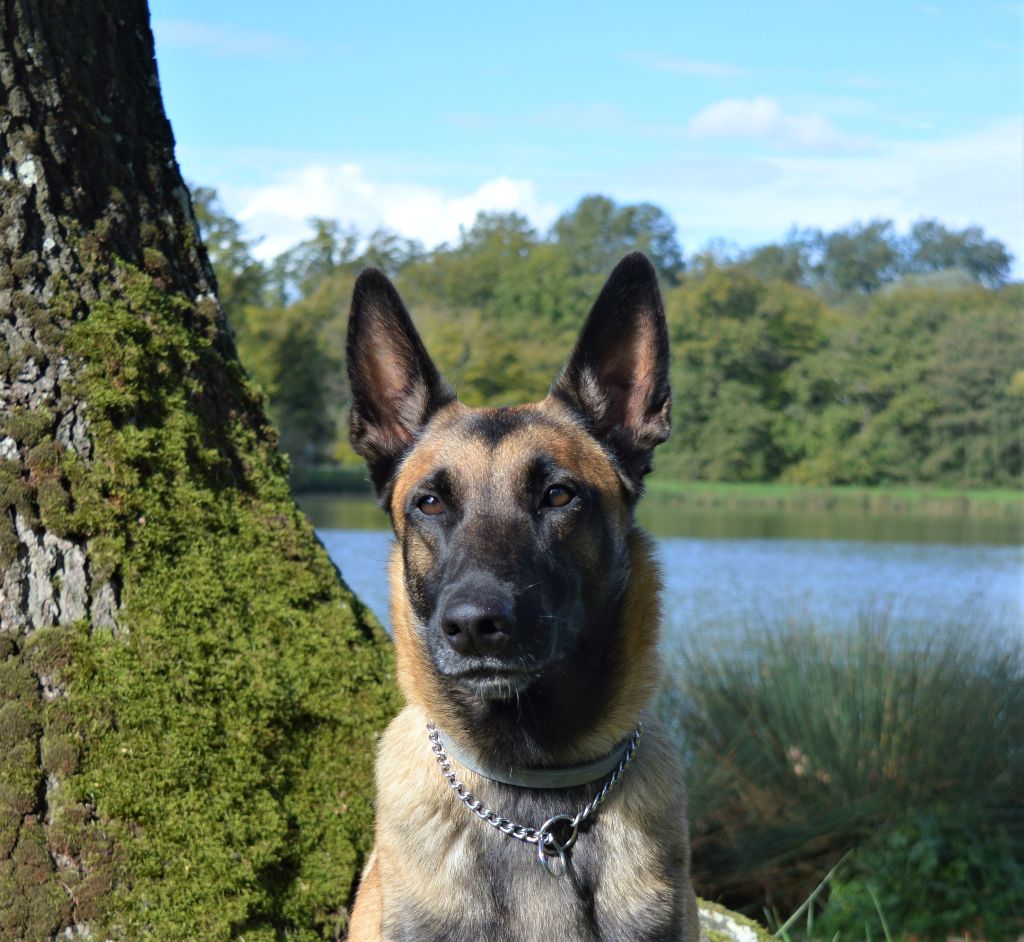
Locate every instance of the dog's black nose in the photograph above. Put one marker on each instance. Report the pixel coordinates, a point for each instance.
(478, 628)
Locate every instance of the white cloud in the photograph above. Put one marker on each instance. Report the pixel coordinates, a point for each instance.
(969, 179)
(973, 179)
(220, 40)
(278, 212)
(762, 118)
(683, 66)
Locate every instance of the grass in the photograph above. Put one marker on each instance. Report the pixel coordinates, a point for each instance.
(905, 752)
(806, 908)
(1000, 503)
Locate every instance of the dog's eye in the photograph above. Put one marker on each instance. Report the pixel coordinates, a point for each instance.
(430, 505)
(557, 496)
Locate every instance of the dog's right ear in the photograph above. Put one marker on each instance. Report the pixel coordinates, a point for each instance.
(395, 386)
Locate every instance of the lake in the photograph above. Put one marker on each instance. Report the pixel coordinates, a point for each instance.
(727, 572)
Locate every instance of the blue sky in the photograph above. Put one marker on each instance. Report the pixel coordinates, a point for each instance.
(739, 119)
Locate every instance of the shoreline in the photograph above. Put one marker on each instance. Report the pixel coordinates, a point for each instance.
(893, 500)
(1003, 504)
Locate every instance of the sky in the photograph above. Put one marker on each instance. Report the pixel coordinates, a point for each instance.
(740, 120)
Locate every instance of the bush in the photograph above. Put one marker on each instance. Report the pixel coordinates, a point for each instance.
(934, 874)
(811, 744)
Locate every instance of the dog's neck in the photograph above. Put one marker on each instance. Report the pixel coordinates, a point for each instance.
(545, 725)
(545, 777)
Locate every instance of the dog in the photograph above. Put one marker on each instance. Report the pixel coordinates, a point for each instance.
(518, 796)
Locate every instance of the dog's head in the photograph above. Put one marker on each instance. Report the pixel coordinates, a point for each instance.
(522, 596)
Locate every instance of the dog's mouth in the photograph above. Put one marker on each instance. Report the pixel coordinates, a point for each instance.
(497, 683)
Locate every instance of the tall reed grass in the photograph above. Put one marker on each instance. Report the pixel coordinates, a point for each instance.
(806, 744)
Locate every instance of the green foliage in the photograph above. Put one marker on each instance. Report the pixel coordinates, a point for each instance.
(734, 339)
(976, 429)
(597, 233)
(241, 280)
(787, 261)
(861, 258)
(466, 276)
(210, 766)
(934, 248)
(917, 387)
(299, 271)
(935, 874)
(805, 745)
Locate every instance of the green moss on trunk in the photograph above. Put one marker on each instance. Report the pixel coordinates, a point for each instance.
(209, 767)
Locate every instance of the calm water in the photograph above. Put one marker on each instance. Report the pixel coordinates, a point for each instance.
(728, 572)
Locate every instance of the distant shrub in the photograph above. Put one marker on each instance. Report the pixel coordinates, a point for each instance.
(809, 744)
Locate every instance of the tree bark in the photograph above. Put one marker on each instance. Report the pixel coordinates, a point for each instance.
(188, 693)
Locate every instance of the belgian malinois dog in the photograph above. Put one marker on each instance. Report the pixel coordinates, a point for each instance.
(517, 799)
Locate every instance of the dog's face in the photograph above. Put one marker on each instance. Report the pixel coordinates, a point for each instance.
(513, 523)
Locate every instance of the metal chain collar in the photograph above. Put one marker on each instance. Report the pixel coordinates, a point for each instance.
(551, 852)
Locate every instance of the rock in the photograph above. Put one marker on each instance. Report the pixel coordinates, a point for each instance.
(718, 924)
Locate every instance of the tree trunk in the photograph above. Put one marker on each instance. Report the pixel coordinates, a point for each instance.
(188, 693)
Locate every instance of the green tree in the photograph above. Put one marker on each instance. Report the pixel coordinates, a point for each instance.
(387, 251)
(296, 272)
(911, 379)
(488, 343)
(295, 351)
(860, 258)
(792, 260)
(976, 431)
(734, 340)
(918, 387)
(465, 276)
(241, 279)
(598, 232)
(931, 247)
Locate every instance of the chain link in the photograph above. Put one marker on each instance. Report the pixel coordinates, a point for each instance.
(545, 841)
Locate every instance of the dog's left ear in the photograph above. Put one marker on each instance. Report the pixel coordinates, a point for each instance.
(395, 386)
(617, 378)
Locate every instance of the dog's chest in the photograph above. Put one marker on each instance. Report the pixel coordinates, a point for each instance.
(492, 888)
(448, 875)
(453, 877)
(493, 897)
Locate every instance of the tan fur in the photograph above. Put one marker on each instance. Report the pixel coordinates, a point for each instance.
(422, 832)
(368, 912)
(422, 836)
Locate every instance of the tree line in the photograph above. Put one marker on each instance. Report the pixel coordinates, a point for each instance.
(857, 356)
